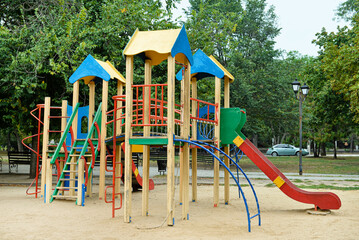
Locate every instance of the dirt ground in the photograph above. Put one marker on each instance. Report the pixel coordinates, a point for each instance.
(24, 217)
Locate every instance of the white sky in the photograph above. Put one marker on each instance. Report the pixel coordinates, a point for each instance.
(299, 20)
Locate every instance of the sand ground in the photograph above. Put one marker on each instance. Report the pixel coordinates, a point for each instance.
(24, 217)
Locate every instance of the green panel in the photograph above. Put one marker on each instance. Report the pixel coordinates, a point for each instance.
(149, 141)
(232, 122)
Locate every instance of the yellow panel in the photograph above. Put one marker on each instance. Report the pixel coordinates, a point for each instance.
(137, 148)
(238, 141)
(226, 73)
(278, 181)
(159, 42)
(136, 172)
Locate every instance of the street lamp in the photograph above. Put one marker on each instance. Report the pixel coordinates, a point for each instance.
(300, 93)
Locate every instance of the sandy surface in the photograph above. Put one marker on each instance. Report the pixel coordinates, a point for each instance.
(24, 217)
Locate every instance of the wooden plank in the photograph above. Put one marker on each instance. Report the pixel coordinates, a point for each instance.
(91, 102)
(186, 134)
(118, 132)
(128, 134)
(170, 146)
(194, 137)
(146, 133)
(63, 126)
(80, 180)
(103, 137)
(226, 148)
(217, 137)
(47, 172)
(181, 150)
(75, 100)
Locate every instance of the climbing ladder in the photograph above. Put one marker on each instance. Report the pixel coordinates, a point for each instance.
(76, 169)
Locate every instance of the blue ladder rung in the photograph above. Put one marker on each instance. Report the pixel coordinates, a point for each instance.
(254, 216)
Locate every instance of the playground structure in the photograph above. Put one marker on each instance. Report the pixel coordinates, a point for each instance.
(147, 115)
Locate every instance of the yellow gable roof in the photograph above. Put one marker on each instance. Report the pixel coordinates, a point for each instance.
(156, 45)
(226, 73)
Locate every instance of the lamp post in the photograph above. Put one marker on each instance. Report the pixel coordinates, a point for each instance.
(300, 93)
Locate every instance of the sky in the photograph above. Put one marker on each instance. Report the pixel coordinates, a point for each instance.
(299, 21)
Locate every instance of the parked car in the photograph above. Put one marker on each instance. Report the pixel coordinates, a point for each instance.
(285, 150)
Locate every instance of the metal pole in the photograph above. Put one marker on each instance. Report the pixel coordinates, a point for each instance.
(300, 133)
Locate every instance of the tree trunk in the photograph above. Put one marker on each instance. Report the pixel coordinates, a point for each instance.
(352, 143)
(315, 150)
(255, 140)
(323, 152)
(33, 161)
(335, 150)
(9, 141)
(283, 137)
(20, 147)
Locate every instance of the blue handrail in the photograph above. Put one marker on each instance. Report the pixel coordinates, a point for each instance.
(238, 168)
(229, 171)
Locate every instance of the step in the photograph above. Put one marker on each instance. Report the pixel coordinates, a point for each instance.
(67, 179)
(76, 155)
(75, 163)
(69, 171)
(65, 197)
(65, 188)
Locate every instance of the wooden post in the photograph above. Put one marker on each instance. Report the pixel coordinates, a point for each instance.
(118, 132)
(181, 147)
(47, 172)
(226, 148)
(63, 126)
(128, 134)
(170, 146)
(75, 100)
(90, 120)
(186, 134)
(80, 180)
(146, 133)
(194, 137)
(103, 137)
(217, 138)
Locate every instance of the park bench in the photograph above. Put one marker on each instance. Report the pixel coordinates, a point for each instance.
(161, 158)
(16, 158)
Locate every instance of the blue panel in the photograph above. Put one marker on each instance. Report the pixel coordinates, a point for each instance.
(203, 66)
(203, 111)
(89, 67)
(182, 46)
(82, 112)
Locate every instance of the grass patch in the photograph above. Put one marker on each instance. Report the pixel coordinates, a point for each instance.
(297, 181)
(322, 165)
(324, 186)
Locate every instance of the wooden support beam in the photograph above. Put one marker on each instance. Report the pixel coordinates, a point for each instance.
(217, 137)
(194, 137)
(128, 134)
(118, 132)
(186, 134)
(63, 126)
(170, 146)
(103, 137)
(46, 176)
(75, 100)
(181, 149)
(80, 180)
(90, 120)
(226, 148)
(146, 133)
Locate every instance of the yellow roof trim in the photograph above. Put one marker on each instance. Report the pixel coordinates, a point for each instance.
(226, 73)
(110, 69)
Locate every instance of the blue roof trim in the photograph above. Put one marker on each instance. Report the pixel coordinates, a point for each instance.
(182, 46)
(89, 67)
(203, 66)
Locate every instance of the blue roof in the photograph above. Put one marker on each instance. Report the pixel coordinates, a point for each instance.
(203, 67)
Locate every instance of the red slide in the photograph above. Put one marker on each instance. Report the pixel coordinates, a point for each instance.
(323, 200)
(137, 175)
